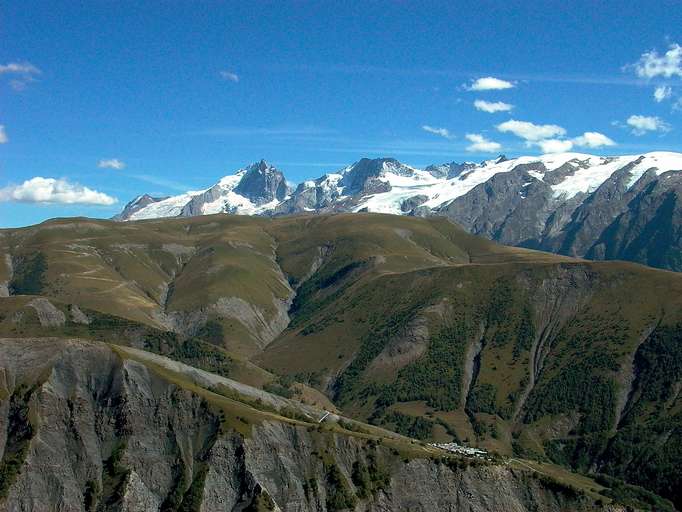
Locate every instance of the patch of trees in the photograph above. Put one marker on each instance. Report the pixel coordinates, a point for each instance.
(339, 494)
(509, 317)
(192, 351)
(647, 449)
(384, 327)
(436, 377)
(370, 477)
(19, 434)
(411, 426)
(29, 275)
(330, 279)
(482, 398)
(576, 388)
(212, 332)
(633, 497)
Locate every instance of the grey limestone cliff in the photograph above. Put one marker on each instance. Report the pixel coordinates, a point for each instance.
(84, 428)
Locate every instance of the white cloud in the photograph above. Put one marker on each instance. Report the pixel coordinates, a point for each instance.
(19, 68)
(25, 72)
(229, 75)
(492, 106)
(587, 139)
(651, 64)
(531, 132)
(111, 163)
(678, 104)
(662, 92)
(443, 132)
(642, 124)
(489, 83)
(593, 140)
(3, 135)
(481, 144)
(51, 190)
(554, 145)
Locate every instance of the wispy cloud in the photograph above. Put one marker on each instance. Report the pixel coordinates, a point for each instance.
(442, 132)
(397, 148)
(492, 106)
(530, 131)
(3, 135)
(111, 163)
(652, 64)
(317, 139)
(643, 124)
(662, 93)
(230, 76)
(161, 182)
(23, 73)
(51, 190)
(281, 131)
(331, 165)
(20, 68)
(479, 144)
(352, 69)
(489, 83)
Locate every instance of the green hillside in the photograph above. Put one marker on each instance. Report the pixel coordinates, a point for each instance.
(407, 323)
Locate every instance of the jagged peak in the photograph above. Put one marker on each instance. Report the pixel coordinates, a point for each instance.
(261, 166)
(260, 186)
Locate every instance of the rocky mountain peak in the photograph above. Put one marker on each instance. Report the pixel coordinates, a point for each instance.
(262, 183)
(137, 204)
(363, 175)
(261, 166)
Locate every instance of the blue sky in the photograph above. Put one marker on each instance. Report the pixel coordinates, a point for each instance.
(178, 93)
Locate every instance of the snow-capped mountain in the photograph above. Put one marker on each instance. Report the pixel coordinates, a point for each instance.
(254, 190)
(625, 207)
(136, 205)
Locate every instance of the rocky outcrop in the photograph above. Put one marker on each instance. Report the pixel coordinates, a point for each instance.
(48, 314)
(9, 270)
(83, 428)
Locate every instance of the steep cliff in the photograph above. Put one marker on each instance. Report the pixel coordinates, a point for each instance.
(87, 427)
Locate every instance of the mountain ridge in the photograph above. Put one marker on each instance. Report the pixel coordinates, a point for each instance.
(621, 207)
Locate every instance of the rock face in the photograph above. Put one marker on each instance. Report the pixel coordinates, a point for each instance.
(625, 207)
(250, 191)
(84, 429)
(262, 183)
(633, 214)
